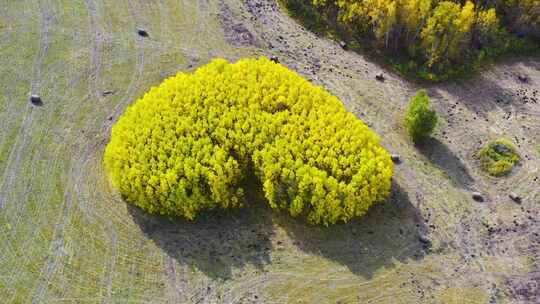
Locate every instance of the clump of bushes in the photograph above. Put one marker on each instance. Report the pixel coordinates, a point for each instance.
(420, 120)
(435, 39)
(498, 157)
(187, 146)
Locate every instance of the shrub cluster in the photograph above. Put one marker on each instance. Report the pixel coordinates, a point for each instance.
(188, 144)
(436, 35)
(498, 157)
(420, 120)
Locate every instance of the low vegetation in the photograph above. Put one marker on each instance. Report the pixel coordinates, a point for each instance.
(420, 120)
(498, 157)
(434, 39)
(189, 144)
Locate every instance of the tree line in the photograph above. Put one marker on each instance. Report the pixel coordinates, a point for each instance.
(436, 35)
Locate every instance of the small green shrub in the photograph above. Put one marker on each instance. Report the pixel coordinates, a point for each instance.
(187, 145)
(420, 120)
(498, 157)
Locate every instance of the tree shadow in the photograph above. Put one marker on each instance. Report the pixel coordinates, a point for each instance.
(219, 242)
(389, 232)
(439, 154)
(531, 61)
(216, 243)
(496, 88)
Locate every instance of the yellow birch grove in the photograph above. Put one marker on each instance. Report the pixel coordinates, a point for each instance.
(186, 146)
(437, 34)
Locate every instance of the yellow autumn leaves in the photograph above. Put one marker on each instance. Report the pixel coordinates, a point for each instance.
(189, 144)
(440, 30)
(436, 34)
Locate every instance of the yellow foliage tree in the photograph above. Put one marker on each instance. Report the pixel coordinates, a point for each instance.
(186, 145)
(487, 26)
(448, 31)
(437, 34)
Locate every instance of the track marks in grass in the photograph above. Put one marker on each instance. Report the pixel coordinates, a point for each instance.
(56, 250)
(128, 95)
(67, 177)
(97, 45)
(13, 161)
(177, 289)
(111, 269)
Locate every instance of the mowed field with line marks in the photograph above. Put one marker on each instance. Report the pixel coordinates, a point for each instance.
(66, 236)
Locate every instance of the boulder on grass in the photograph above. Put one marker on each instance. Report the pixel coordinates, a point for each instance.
(477, 196)
(274, 58)
(516, 198)
(523, 78)
(142, 33)
(36, 100)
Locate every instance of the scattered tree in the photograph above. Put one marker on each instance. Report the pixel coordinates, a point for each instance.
(420, 120)
(498, 157)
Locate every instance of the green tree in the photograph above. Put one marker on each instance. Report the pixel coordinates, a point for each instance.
(420, 120)
(522, 16)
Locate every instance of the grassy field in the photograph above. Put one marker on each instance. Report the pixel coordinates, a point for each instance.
(66, 235)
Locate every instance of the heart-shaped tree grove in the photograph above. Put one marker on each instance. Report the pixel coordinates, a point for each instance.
(188, 145)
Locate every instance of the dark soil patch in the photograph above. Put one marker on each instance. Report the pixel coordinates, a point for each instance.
(526, 288)
(236, 33)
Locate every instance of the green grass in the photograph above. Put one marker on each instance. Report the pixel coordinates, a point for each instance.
(101, 253)
(498, 157)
